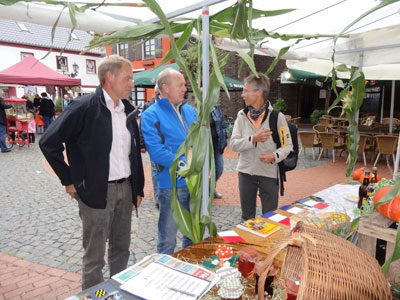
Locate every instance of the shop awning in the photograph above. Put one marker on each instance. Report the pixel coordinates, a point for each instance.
(148, 78)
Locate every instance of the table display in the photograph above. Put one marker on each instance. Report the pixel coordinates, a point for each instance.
(190, 261)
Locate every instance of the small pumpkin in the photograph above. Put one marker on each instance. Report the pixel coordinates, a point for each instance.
(391, 209)
(370, 177)
(357, 173)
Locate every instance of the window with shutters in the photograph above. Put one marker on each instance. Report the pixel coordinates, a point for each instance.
(137, 45)
(150, 49)
(114, 49)
(138, 96)
(124, 50)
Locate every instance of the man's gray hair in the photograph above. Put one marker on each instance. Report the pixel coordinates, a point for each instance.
(262, 82)
(165, 76)
(113, 64)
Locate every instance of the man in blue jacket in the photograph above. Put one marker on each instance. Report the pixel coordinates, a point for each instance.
(165, 125)
(105, 171)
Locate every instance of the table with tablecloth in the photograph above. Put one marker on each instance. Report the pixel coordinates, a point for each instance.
(196, 253)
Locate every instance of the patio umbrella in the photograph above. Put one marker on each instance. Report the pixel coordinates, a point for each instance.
(149, 77)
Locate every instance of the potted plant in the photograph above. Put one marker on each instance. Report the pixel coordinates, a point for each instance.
(316, 114)
(280, 105)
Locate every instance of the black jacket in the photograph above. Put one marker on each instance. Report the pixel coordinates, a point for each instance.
(3, 106)
(85, 128)
(46, 107)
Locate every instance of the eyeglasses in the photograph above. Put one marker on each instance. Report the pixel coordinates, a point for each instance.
(248, 91)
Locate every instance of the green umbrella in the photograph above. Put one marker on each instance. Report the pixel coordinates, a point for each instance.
(148, 78)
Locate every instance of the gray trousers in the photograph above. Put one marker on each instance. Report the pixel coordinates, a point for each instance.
(248, 187)
(98, 225)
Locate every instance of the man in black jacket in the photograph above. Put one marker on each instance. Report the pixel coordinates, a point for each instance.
(105, 172)
(46, 110)
(3, 123)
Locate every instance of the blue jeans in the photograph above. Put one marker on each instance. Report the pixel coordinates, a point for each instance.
(47, 121)
(219, 164)
(3, 130)
(166, 224)
(156, 190)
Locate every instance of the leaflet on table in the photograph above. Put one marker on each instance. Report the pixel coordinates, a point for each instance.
(230, 236)
(312, 204)
(278, 218)
(291, 209)
(169, 261)
(159, 281)
(131, 271)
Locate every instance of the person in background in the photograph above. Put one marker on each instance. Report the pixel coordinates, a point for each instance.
(39, 123)
(153, 164)
(259, 155)
(46, 110)
(3, 123)
(105, 171)
(31, 127)
(36, 102)
(66, 101)
(29, 103)
(165, 125)
(219, 137)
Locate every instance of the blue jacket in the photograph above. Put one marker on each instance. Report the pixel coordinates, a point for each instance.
(163, 134)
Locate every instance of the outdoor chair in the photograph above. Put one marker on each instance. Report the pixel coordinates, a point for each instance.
(364, 146)
(330, 141)
(307, 139)
(387, 145)
(317, 129)
(296, 120)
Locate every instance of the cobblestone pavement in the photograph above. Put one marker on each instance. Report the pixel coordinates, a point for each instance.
(40, 223)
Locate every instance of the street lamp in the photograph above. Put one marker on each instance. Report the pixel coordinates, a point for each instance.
(73, 74)
(75, 67)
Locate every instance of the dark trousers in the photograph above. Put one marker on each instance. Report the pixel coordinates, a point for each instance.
(98, 225)
(249, 185)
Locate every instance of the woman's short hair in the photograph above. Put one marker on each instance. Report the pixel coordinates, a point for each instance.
(113, 64)
(262, 82)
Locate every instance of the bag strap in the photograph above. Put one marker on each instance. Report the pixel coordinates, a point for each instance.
(273, 125)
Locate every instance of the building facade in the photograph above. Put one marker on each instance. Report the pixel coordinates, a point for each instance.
(20, 39)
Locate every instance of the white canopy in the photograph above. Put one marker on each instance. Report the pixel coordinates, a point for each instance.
(376, 51)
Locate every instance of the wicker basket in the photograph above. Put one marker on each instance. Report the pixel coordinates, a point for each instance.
(329, 267)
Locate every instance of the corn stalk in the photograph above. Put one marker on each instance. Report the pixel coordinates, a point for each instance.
(352, 97)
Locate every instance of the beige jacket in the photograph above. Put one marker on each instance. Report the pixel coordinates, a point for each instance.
(241, 141)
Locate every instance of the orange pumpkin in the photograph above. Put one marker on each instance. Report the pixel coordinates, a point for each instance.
(370, 177)
(391, 209)
(357, 173)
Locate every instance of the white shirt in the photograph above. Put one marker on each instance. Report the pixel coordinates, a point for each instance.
(121, 141)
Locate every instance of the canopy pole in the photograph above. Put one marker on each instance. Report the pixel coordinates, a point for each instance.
(396, 166)
(392, 108)
(205, 84)
(383, 102)
(360, 67)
